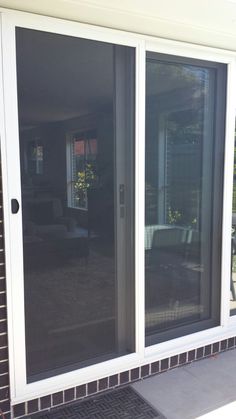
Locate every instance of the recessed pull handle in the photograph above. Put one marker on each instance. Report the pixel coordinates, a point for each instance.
(14, 206)
(122, 194)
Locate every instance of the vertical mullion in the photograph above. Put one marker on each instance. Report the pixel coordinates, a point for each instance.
(140, 198)
(228, 193)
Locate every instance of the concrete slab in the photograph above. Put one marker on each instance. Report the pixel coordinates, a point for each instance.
(194, 390)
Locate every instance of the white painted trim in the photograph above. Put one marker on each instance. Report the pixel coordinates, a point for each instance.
(163, 46)
(6, 207)
(228, 193)
(187, 343)
(69, 28)
(20, 390)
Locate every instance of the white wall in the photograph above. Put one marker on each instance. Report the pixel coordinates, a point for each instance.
(206, 22)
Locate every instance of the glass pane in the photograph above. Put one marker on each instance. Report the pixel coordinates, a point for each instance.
(76, 100)
(181, 145)
(233, 243)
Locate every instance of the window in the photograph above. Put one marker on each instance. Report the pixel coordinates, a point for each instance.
(83, 175)
(34, 158)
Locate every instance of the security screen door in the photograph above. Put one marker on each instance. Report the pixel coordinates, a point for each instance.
(76, 137)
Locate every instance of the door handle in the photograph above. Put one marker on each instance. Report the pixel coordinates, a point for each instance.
(14, 206)
(122, 194)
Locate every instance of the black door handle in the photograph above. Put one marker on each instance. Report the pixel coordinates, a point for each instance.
(14, 206)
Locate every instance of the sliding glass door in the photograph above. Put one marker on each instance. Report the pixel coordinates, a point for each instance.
(101, 281)
(76, 138)
(185, 106)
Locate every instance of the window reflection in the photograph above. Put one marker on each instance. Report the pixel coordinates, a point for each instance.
(83, 171)
(180, 119)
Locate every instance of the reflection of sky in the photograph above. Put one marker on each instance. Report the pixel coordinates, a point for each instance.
(199, 73)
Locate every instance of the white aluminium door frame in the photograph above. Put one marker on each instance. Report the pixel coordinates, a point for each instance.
(12, 189)
(20, 389)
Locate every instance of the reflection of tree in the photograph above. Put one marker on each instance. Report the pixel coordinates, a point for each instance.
(184, 136)
(164, 77)
(185, 127)
(173, 217)
(85, 179)
(176, 104)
